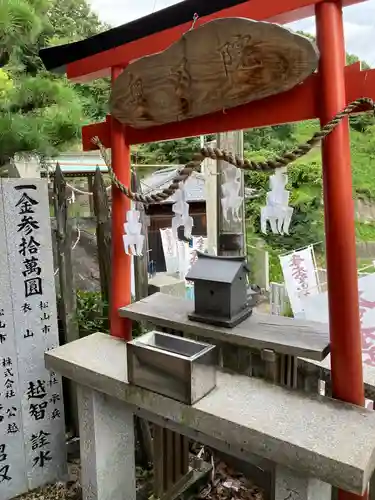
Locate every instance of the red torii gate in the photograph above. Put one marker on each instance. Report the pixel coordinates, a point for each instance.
(320, 96)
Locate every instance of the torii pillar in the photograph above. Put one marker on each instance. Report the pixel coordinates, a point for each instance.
(120, 292)
(344, 322)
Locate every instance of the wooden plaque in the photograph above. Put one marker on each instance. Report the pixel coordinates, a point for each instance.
(222, 64)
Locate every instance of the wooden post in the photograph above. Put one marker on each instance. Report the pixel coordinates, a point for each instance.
(231, 241)
(231, 236)
(90, 187)
(209, 169)
(103, 233)
(67, 303)
(140, 263)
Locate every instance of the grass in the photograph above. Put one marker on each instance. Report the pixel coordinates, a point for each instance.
(362, 156)
(365, 231)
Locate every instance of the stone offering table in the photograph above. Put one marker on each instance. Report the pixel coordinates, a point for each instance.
(264, 346)
(301, 434)
(261, 331)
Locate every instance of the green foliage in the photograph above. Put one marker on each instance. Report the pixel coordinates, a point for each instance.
(42, 113)
(34, 117)
(6, 84)
(92, 315)
(94, 98)
(365, 231)
(167, 152)
(73, 20)
(20, 24)
(276, 139)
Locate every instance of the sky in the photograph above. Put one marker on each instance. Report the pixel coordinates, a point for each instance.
(359, 21)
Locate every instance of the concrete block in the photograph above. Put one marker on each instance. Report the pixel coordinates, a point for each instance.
(167, 284)
(107, 447)
(292, 486)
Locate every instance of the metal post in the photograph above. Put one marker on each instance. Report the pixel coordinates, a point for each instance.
(346, 355)
(121, 263)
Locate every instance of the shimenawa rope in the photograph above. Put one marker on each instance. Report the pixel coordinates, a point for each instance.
(218, 154)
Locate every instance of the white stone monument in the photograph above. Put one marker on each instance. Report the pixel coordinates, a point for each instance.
(32, 426)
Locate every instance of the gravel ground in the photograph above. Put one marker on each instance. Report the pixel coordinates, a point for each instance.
(59, 491)
(226, 484)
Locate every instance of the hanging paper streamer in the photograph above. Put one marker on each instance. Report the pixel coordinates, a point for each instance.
(181, 211)
(277, 211)
(232, 200)
(183, 252)
(133, 239)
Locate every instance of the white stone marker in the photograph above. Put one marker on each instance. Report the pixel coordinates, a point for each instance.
(32, 431)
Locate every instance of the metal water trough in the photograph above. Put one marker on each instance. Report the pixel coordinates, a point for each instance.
(175, 367)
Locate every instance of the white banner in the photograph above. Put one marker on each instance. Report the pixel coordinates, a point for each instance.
(170, 250)
(179, 256)
(316, 309)
(300, 277)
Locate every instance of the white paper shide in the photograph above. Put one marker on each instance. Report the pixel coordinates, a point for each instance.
(232, 200)
(133, 239)
(181, 217)
(277, 210)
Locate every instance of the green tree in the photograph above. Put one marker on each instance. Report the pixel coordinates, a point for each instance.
(80, 23)
(20, 24)
(42, 113)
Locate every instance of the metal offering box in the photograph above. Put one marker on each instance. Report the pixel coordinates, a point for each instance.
(175, 367)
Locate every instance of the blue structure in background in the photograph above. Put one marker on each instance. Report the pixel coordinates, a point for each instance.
(190, 292)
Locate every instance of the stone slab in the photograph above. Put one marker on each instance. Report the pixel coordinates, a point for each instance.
(107, 447)
(293, 429)
(261, 331)
(167, 284)
(34, 316)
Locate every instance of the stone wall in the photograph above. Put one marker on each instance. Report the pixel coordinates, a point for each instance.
(364, 211)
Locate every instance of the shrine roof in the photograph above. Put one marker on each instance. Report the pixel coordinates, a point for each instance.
(194, 185)
(56, 58)
(206, 268)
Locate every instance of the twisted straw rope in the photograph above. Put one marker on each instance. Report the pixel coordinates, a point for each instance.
(219, 154)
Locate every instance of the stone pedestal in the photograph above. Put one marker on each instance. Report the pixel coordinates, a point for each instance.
(106, 428)
(291, 486)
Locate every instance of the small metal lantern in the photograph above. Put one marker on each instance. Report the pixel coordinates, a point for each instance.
(221, 292)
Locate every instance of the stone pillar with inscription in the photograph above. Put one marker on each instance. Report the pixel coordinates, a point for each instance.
(32, 428)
